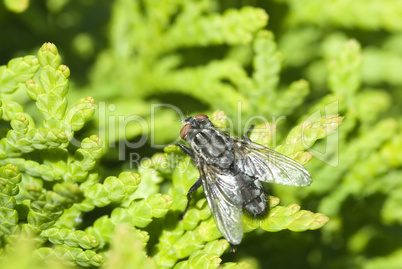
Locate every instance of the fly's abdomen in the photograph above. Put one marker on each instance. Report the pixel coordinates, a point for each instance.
(213, 147)
(254, 199)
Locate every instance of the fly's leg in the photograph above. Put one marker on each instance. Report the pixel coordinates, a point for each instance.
(233, 248)
(186, 150)
(248, 132)
(196, 185)
(193, 188)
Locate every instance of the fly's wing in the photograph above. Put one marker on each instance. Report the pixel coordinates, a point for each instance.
(268, 165)
(225, 200)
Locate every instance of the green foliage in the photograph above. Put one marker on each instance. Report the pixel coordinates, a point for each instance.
(45, 211)
(67, 197)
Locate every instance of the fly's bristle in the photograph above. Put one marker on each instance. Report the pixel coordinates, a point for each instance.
(233, 248)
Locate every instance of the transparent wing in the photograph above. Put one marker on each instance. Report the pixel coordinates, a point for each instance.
(225, 200)
(268, 165)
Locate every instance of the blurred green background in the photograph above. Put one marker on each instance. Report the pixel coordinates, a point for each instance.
(132, 54)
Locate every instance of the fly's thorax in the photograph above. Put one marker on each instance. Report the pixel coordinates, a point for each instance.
(213, 147)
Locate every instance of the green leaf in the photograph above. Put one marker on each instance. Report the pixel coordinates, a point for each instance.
(72, 239)
(127, 251)
(304, 135)
(71, 256)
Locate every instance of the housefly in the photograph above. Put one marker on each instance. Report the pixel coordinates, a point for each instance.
(232, 171)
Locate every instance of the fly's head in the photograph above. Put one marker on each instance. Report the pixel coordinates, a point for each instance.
(194, 125)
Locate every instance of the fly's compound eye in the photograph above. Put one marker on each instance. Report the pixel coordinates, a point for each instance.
(201, 117)
(185, 130)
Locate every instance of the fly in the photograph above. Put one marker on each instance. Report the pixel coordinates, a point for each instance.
(232, 171)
